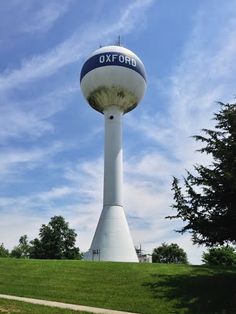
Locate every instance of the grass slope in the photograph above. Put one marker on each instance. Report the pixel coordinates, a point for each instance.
(15, 307)
(142, 288)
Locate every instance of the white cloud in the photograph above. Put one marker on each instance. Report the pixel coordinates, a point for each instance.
(131, 16)
(13, 225)
(30, 118)
(72, 49)
(56, 192)
(13, 161)
(42, 19)
(80, 202)
(88, 176)
(30, 17)
(205, 73)
(17, 123)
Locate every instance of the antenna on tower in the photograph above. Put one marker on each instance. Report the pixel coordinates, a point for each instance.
(118, 41)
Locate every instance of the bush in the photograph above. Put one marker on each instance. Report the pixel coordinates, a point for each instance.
(220, 256)
(171, 253)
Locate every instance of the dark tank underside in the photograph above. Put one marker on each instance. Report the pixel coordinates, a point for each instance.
(103, 97)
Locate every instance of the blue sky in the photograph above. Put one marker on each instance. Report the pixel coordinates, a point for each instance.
(51, 156)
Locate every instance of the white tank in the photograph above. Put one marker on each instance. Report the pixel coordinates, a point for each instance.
(113, 75)
(113, 81)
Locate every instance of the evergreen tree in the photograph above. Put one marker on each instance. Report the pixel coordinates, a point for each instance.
(208, 204)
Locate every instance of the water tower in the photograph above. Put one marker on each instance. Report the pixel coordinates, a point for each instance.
(113, 81)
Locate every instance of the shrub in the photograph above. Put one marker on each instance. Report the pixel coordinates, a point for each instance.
(220, 256)
(171, 253)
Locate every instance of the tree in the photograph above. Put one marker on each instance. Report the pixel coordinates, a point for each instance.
(220, 256)
(171, 253)
(23, 249)
(3, 251)
(56, 241)
(208, 203)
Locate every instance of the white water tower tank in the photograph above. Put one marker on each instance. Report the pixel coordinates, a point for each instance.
(113, 75)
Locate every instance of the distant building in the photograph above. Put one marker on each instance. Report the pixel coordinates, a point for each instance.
(142, 257)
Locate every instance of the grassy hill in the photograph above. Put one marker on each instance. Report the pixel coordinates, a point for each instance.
(142, 288)
(17, 307)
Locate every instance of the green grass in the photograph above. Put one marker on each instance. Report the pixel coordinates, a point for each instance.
(16, 307)
(142, 288)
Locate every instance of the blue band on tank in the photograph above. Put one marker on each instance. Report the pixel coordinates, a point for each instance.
(112, 58)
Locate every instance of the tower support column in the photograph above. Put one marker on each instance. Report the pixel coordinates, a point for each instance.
(112, 240)
(113, 158)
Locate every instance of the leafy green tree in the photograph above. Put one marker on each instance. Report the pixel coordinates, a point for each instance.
(56, 241)
(169, 253)
(3, 251)
(208, 203)
(22, 250)
(16, 252)
(220, 256)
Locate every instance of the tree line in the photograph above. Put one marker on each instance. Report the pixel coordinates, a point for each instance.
(165, 253)
(56, 241)
(215, 256)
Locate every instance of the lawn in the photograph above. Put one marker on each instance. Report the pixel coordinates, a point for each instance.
(15, 307)
(142, 288)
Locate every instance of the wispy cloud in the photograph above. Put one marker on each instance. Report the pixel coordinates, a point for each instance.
(42, 19)
(31, 17)
(30, 117)
(203, 75)
(79, 201)
(87, 175)
(13, 160)
(72, 49)
(131, 16)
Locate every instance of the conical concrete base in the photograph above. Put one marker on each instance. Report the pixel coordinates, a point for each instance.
(112, 240)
